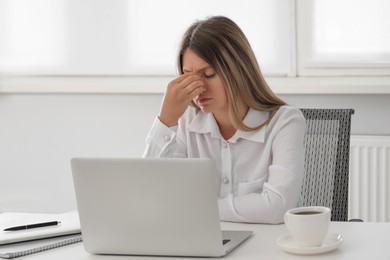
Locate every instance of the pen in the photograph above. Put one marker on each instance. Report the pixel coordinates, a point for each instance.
(37, 225)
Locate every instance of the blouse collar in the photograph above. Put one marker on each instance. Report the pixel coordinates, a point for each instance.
(205, 123)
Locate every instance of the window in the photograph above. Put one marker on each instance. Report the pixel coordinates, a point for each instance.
(315, 46)
(342, 37)
(128, 37)
(32, 36)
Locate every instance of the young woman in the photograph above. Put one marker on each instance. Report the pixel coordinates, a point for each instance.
(254, 138)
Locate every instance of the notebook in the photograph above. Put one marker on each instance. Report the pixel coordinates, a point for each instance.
(34, 246)
(164, 207)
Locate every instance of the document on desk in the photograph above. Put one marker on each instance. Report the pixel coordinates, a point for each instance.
(69, 224)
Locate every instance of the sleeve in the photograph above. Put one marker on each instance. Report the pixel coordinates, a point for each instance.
(163, 142)
(282, 189)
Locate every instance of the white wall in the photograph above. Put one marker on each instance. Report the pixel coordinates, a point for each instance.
(39, 133)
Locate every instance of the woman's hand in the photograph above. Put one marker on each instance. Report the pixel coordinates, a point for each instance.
(178, 96)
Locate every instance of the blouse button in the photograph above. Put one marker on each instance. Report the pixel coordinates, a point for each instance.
(167, 138)
(225, 180)
(224, 145)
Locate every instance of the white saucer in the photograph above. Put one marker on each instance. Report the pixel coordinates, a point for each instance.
(331, 242)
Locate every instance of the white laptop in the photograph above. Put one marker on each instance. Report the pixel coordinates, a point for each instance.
(164, 207)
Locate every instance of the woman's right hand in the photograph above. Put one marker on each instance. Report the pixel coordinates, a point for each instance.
(178, 96)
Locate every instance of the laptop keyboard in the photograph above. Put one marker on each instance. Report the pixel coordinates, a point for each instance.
(225, 241)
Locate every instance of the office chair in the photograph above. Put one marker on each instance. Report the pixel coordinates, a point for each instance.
(326, 143)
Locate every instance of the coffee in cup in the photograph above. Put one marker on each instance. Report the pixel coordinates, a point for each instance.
(308, 226)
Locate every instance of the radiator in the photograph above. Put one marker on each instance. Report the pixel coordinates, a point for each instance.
(369, 178)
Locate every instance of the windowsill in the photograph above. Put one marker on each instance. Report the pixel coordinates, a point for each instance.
(156, 85)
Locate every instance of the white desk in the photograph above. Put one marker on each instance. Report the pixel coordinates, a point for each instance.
(368, 241)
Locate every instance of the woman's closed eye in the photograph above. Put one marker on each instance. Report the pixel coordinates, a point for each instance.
(209, 75)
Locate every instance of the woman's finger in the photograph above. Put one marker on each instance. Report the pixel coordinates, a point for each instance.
(188, 80)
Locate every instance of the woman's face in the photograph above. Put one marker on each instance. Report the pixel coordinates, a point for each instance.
(214, 98)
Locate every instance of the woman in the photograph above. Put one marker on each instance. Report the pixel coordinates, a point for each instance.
(254, 138)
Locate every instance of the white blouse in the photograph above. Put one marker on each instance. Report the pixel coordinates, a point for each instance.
(259, 172)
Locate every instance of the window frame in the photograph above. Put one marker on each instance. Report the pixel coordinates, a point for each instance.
(157, 85)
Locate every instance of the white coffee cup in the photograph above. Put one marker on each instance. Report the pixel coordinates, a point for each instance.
(308, 226)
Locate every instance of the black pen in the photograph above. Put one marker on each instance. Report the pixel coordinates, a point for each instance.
(37, 225)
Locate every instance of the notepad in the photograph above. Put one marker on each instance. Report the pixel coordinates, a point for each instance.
(34, 246)
(70, 224)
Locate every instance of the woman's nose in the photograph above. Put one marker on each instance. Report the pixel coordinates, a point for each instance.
(204, 87)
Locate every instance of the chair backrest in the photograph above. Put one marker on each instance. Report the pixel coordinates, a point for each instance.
(327, 142)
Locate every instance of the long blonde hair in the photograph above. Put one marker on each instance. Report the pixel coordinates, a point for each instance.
(222, 44)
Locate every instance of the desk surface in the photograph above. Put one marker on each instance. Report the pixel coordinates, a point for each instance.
(361, 241)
